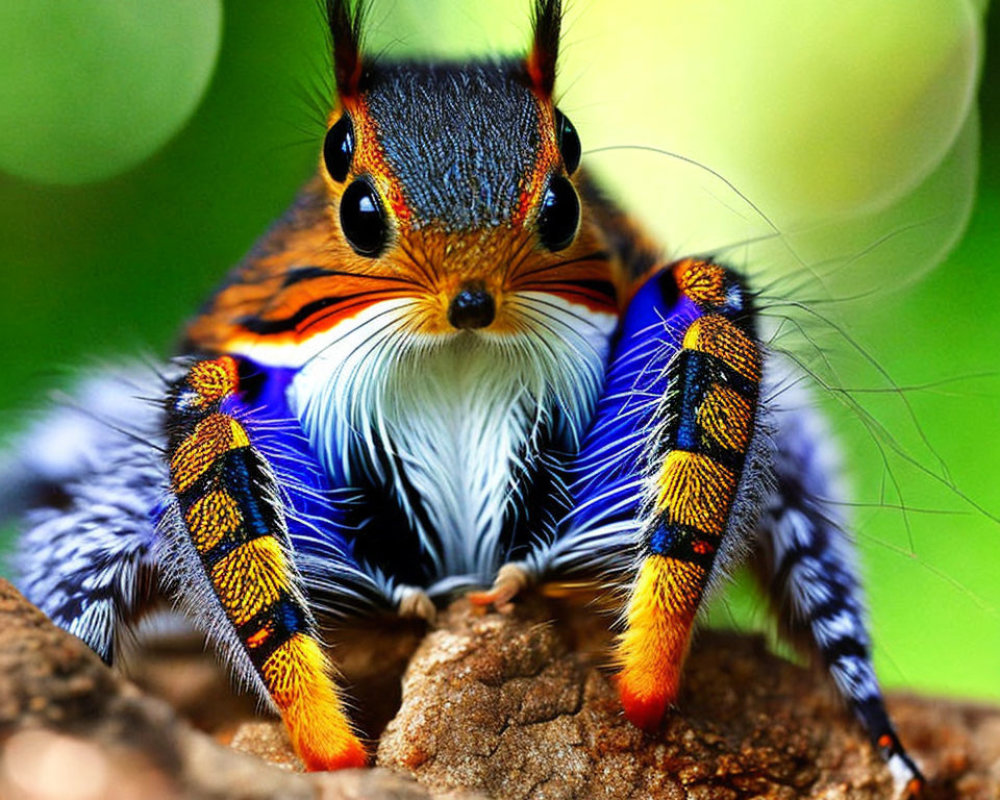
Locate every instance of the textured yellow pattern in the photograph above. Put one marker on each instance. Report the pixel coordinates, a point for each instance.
(212, 437)
(213, 380)
(701, 281)
(695, 491)
(212, 518)
(651, 651)
(726, 416)
(298, 676)
(250, 578)
(717, 336)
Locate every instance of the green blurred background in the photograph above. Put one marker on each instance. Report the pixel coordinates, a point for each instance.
(144, 146)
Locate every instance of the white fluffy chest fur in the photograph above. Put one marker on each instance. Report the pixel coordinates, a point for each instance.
(458, 420)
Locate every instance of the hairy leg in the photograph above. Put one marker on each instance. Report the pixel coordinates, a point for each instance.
(695, 457)
(81, 485)
(667, 483)
(227, 549)
(806, 558)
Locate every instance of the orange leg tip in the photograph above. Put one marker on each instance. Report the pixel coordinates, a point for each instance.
(645, 710)
(346, 752)
(483, 601)
(482, 598)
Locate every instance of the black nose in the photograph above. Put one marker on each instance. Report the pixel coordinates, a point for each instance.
(473, 307)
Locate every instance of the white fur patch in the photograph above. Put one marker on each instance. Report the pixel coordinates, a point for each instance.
(902, 773)
(458, 415)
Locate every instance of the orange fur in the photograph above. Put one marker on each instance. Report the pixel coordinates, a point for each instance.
(299, 678)
(726, 417)
(651, 651)
(213, 380)
(211, 518)
(260, 636)
(717, 336)
(702, 281)
(213, 436)
(695, 491)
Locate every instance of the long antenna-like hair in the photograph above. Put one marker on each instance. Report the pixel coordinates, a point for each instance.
(346, 19)
(541, 61)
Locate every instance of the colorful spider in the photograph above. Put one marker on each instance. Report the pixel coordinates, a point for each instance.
(453, 364)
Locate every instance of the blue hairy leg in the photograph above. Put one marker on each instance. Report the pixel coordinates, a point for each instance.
(806, 558)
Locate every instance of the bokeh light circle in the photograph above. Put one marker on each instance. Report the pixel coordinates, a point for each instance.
(816, 109)
(90, 88)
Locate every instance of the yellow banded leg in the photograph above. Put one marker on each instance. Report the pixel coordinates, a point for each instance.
(698, 449)
(232, 521)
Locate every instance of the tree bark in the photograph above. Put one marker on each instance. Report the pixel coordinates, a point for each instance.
(492, 706)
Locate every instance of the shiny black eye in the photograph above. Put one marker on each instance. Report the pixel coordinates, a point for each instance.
(559, 216)
(569, 142)
(362, 218)
(338, 148)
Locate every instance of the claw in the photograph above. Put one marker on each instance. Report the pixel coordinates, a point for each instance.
(415, 604)
(510, 581)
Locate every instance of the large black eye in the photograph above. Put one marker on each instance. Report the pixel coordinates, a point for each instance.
(560, 214)
(363, 219)
(338, 148)
(569, 142)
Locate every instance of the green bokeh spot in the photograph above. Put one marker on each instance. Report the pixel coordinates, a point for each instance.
(90, 88)
(815, 109)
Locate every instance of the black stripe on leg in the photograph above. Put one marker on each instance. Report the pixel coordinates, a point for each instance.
(271, 627)
(843, 647)
(238, 473)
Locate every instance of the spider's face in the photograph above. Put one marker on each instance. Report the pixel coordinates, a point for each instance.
(484, 295)
(451, 186)
(446, 213)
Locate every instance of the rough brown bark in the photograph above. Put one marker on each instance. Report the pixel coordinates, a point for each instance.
(512, 706)
(71, 729)
(492, 706)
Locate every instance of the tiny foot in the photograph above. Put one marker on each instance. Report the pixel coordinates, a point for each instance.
(415, 604)
(510, 581)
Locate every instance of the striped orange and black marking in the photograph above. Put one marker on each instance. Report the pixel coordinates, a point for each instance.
(227, 500)
(709, 414)
(217, 478)
(708, 418)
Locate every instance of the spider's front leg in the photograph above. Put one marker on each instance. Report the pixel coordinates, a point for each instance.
(687, 466)
(693, 476)
(227, 553)
(664, 482)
